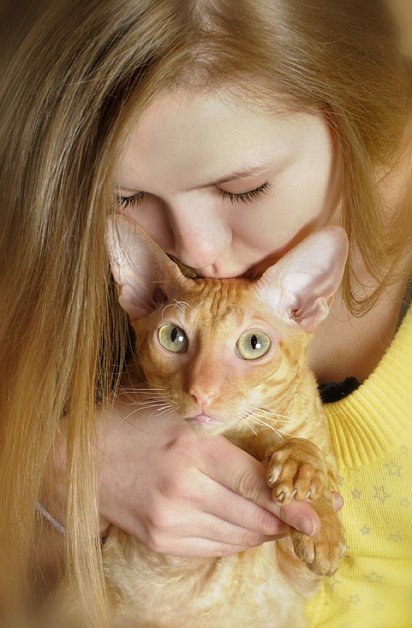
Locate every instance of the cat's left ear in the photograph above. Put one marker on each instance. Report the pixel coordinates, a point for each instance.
(144, 273)
(301, 285)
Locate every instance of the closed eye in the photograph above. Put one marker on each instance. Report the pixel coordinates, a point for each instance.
(129, 201)
(245, 197)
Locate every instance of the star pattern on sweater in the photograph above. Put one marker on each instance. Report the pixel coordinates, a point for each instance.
(405, 502)
(393, 469)
(356, 493)
(374, 577)
(354, 599)
(404, 450)
(394, 537)
(333, 582)
(378, 606)
(365, 530)
(381, 494)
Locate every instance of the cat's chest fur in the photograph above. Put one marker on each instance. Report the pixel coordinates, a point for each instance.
(263, 586)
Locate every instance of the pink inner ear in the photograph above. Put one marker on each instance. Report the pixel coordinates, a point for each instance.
(132, 304)
(301, 285)
(141, 269)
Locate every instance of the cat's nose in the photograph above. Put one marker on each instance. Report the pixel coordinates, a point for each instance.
(203, 396)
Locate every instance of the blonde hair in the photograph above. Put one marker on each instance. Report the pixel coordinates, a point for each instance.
(82, 75)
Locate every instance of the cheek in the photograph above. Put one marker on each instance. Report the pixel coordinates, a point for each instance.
(167, 376)
(240, 379)
(301, 199)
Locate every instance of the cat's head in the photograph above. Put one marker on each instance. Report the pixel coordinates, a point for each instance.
(216, 349)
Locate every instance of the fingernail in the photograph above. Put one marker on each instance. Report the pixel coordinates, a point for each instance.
(306, 525)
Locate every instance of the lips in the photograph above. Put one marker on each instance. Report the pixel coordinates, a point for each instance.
(202, 419)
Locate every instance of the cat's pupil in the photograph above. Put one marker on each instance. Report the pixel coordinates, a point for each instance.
(255, 343)
(173, 335)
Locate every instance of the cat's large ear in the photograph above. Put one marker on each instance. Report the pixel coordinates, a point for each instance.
(144, 273)
(301, 285)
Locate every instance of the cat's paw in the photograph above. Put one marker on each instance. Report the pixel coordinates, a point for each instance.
(295, 474)
(322, 552)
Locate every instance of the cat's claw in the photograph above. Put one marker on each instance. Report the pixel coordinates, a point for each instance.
(293, 478)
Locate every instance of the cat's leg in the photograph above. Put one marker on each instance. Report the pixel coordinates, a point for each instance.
(296, 471)
(322, 552)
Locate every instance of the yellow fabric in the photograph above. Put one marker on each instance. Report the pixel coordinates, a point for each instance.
(372, 436)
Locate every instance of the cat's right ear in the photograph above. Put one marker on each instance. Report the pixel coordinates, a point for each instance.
(144, 273)
(301, 285)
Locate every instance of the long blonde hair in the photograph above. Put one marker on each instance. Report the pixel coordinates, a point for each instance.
(83, 73)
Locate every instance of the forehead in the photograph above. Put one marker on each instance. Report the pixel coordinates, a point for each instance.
(184, 139)
(228, 303)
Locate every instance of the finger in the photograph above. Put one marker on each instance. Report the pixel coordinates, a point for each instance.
(244, 475)
(217, 530)
(179, 526)
(228, 507)
(202, 548)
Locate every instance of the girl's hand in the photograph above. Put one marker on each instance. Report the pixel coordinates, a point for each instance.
(182, 493)
(186, 494)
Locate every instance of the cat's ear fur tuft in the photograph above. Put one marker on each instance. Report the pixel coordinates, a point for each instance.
(301, 285)
(143, 272)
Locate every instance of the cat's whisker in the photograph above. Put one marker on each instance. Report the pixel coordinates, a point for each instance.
(162, 409)
(158, 404)
(244, 420)
(151, 416)
(278, 433)
(286, 417)
(142, 388)
(149, 404)
(277, 430)
(169, 417)
(134, 411)
(272, 414)
(260, 421)
(130, 390)
(143, 399)
(248, 416)
(182, 305)
(265, 419)
(177, 305)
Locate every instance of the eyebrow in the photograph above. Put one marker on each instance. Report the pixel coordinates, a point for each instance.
(246, 171)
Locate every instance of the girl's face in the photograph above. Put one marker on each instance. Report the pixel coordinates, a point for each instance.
(177, 172)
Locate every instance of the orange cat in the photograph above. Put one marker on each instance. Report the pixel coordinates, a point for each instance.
(230, 356)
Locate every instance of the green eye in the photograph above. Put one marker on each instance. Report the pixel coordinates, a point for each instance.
(172, 338)
(253, 345)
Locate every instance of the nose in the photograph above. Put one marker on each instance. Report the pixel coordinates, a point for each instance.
(201, 235)
(203, 395)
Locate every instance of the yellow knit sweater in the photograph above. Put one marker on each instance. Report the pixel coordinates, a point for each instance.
(372, 436)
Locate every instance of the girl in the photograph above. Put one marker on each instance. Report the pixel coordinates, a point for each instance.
(228, 131)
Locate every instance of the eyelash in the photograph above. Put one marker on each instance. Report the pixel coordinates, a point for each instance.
(245, 197)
